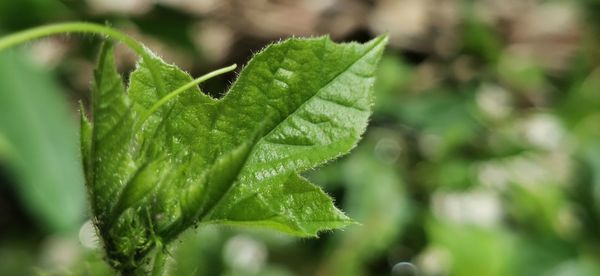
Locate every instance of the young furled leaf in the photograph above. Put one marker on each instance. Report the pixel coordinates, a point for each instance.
(151, 174)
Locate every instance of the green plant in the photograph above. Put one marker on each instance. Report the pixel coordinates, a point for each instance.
(161, 156)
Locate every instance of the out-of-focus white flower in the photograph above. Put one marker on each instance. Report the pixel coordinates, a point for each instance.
(544, 131)
(130, 7)
(479, 207)
(243, 253)
(59, 253)
(434, 261)
(494, 101)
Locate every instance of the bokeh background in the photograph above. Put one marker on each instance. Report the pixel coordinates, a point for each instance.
(482, 156)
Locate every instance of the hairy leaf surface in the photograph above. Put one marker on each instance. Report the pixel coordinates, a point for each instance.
(235, 160)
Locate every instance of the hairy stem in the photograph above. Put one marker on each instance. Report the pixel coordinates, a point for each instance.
(160, 259)
(83, 27)
(138, 48)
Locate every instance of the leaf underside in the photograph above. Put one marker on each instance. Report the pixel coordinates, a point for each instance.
(296, 105)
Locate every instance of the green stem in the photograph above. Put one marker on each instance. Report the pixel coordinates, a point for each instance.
(160, 259)
(75, 27)
(83, 27)
(180, 90)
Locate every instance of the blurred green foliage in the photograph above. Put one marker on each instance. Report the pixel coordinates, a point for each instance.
(479, 160)
(39, 144)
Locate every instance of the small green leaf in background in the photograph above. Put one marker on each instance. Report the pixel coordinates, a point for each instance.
(235, 160)
(39, 144)
(473, 250)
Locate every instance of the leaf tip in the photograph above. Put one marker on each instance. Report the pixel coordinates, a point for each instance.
(381, 40)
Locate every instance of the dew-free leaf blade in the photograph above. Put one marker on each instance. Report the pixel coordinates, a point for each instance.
(290, 204)
(111, 135)
(302, 131)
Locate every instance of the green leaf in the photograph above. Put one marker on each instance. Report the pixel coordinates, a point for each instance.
(235, 160)
(38, 144)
